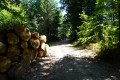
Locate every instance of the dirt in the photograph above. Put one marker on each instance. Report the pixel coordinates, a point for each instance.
(65, 62)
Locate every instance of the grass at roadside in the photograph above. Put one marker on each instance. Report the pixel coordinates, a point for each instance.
(51, 43)
(70, 44)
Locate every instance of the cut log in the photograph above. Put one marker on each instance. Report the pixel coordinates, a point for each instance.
(40, 54)
(12, 56)
(35, 35)
(12, 38)
(43, 38)
(16, 72)
(24, 44)
(26, 57)
(5, 64)
(34, 54)
(35, 43)
(46, 50)
(13, 52)
(27, 51)
(19, 28)
(3, 76)
(14, 49)
(2, 48)
(25, 36)
(42, 45)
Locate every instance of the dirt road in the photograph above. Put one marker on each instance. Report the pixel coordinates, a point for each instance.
(65, 62)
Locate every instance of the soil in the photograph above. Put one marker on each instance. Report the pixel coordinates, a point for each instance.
(65, 62)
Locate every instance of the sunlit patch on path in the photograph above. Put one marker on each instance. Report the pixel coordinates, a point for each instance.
(65, 62)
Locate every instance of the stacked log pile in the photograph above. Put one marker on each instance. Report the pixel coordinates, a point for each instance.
(18, 48)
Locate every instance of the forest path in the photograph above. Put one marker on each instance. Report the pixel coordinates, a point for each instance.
(66, 62)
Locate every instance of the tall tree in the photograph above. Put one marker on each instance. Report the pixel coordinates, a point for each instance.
(44, 15)
(73, 9)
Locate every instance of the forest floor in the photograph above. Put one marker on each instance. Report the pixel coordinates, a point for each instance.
(65, 62)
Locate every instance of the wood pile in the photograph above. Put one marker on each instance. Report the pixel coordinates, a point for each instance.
(18, 48)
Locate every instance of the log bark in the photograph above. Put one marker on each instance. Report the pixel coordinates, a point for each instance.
(14, 49)
(19, 28)
(5, 64)
(46, 50)
(2, 48)
(16, 72)
(40, 54)
(24, 44)
(13, 52)
(43, 38)
(34, 54)
(35, 43)
(25, 36)
(3, 76)
(35, 35)
(26, 57)
(12, 38)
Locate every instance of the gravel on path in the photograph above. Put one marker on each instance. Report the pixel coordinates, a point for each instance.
(65, 62)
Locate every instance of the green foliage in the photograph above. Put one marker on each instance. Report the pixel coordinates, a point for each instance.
(8, 19)
(109, 42)
(89, 31)
(44, 16)
(64, 31)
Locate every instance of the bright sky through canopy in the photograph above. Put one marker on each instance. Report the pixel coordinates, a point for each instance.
(59, 5)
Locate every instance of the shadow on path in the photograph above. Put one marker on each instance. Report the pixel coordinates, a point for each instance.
(71, 68)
